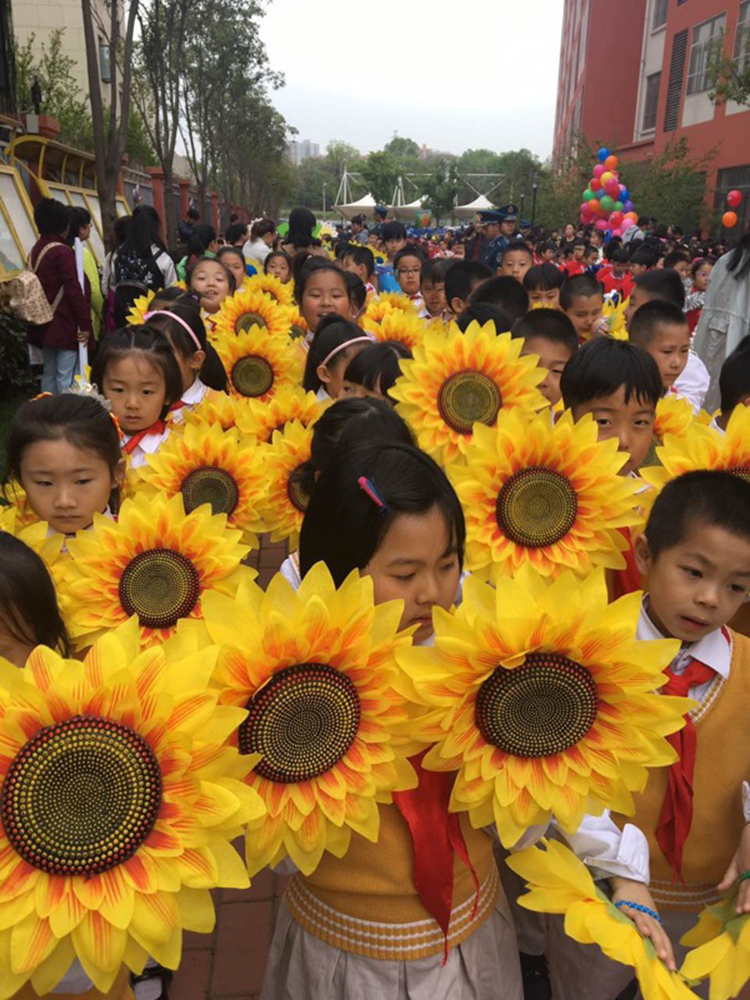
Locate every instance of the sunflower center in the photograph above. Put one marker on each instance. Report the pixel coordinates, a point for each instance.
(209, 484)
(467, 398)
(296, 331)
(81, 796)
(160, 586)
(252, 376)
(541, 708)
(303, 722)
(298, 497)
(248, 320)
(743, 471)
(536, 507)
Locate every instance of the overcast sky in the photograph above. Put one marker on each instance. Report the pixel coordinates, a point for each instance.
(354, 70)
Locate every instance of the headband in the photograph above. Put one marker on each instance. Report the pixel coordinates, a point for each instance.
(347, 343)
(177, 319)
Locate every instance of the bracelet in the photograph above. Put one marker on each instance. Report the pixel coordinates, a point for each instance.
(645, 909)
(744, 876)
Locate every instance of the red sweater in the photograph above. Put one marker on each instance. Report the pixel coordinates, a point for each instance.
(611, 283)
(58, 270)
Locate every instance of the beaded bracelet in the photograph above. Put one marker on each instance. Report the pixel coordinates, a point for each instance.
(744, 876)
(643, 909)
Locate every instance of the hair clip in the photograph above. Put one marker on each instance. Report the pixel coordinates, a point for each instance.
(116, 422)
(82, 387)
(369, 488)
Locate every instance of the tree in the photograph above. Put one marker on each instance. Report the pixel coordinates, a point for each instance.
(672, 186)
(402, 148)
(441, 187)
(381, 172)
(730, 78)
(61, 95)
(342, 154)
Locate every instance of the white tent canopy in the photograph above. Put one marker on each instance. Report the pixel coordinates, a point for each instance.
(365, 206)
(408, 211)
(480, 204)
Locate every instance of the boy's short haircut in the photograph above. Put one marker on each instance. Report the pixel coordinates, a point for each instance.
(643, 256)
(393, 231)
(410, 250)
(435, 270)
(505, 292)
(483, 312)
(579, 242)
(584, 285)
(602, 366)
(544, 246)
(664, 285)
(516, 245)
(462, 276)
(543, 278)
(357, 290)
(620, 256)
(590, 248)
(362, 257)
(676, 257)
(551, 324)
(646, 321)
(734, 378)
(709, 498)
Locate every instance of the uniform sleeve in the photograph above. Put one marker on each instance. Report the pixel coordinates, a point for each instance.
(167, 268)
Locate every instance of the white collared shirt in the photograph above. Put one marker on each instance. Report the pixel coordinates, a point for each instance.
(148, 445)
(193, 396)
(715, 425)
(694, 381)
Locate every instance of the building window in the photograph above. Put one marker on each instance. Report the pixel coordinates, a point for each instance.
(105, 61)
(707, 40)
(742, 40)
(674, 86)
(651, 102)
(660, 14)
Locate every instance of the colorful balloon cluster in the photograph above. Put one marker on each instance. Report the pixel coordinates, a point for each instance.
(734, 200)
(606, 202)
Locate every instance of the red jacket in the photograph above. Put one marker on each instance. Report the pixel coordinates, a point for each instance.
(58, 270)
(611, 283)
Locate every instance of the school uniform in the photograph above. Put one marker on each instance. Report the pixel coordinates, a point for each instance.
(694, 381)
(193, 396)
(137, 446)
(290, 570)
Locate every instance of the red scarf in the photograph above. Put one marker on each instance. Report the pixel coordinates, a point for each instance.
(177, 405)
(158, 428)
(628, 580)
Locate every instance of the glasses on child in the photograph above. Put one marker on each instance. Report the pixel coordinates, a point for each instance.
(409, 271)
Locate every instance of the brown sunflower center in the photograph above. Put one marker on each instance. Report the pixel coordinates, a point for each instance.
(536, 507)
(539, 709)
(160, 586)
(298, 496)
(252, 376)
(743, 471)
(296, 331)
(303, 722)
(247, 321)
(212, 485)
(81, 796)
(467, 398)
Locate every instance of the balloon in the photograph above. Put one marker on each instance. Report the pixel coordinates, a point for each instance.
(594, 205)
(611, 162)
(602, 225)
(734, 199)
(616, 218)
(598, 170)
(603, 154)
(607, 203)
(624, 193)
(619, 206)
(588, 194)
(606, 177)
(628, 206)
(612, 188)
(617, 232)
(728, 220)
(596, 184)
(632, 217)
(585, 210)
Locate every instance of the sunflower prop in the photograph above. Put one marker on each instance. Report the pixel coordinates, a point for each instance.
(248, 308)
(260, 421)
(119, 797)
(397, 325)
(316, 671)
(674, 415)
(271, 285)
(539, 696)
(285, 499)
(258, 365)
(298, 328)
(544, 494)
(142, 305)
(721, 949)
(382, 305)
(217, 408)
(615, 317)
(32, 533)
(156, 562)
(456, 382)
(559, 882)
(207, 465)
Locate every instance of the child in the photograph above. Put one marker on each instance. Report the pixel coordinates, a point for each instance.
(615, 276)
(661, 329)
(279, 264)
(482, 313)
(211, 281)
(543, 283)
(734, 384)
(357, 293)
(393, 236)
(407, 266)
(234, 260)
(334, 344)
(361, 261)
(29, 615)
(591, 259)
(515, 260)
(545, 252)
(505, 292)
(321, 290)
(696, 296)
(550, 335)
(432, 287)
(373, 371)
(64, 451)
(679, 261)
(582, 301)
(576, 264)
(461, 279)
(641, 261)
(137, 371)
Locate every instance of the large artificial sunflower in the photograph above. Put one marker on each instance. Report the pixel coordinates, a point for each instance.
(217, 408)
(539, 696)
(261, 420)
(155, 562)
(285, 502)
(271, 285)
(559, 882)
(674, 415)
(316, 671)
(615, 317)
(455, 382)
(544, 494)
(403, 327)
(258, 364)
(32, 533)
(380, 306)
(119, 798)
(210, 466)
(298, 328)
(250, 308)
(721, 949)
(142, 305)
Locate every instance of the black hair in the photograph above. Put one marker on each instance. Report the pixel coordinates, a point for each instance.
(227, 251)
(699, 262)
(663, 284)
(122, 228)
(310, 266)
(676, 257)
(302, 222)
(410, 250)
(378, 366)
(435, 270)
(516, 245)
(393, 231)
(211, 260)
(462, 276)
(332, 332)
(484, 312)
(551, 324)
(739, 263)
(584, 285)
(146, 341)
(646, 320)
(234, 231)
(82, 421)
(544, 246)
(212, 371)
(734, 378)
(505, 292)
(644, 256)
(77, 218)
(602, 366)
(543, 278)
(261, 228)
(361, 255)
(277, 253)
(28, 602)
(200, 239)
(347, 422)
(710, 498)
(169, 295)
(344, 528)
(579, 242)
(51, 217)
(620, 256)
(144, 232)
(357, 290)
(194, 214)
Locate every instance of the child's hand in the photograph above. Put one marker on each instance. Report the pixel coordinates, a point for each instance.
(637, 892)
(740, 863)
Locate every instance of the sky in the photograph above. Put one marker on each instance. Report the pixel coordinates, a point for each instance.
(354, 71)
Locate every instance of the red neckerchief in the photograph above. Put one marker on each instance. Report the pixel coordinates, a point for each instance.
(177, 405)
(158, 428)
(628, 580)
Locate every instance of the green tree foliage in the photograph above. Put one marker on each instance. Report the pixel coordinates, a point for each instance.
(672, 186)
(730, 79)
(402, 148)
(441, 187)
(61, 95)
(381, 172)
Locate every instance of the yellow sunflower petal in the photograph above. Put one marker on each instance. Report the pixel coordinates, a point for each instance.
(258, 364)
(285, 501)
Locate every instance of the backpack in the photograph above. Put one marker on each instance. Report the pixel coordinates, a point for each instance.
(24, 296)
(135, 276)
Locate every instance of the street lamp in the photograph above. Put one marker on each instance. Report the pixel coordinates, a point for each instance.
(324, 197)
(535, 190)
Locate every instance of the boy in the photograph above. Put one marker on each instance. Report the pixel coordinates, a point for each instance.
(393, 236)
(734, 384)
(545, 252)
(679, 261)
(461, 278)
(407, 266)
(582, 301)
(615, 276)
(543, 283)
(576, 264)
(661, 329)
(591, 259)
(360, 260)
(505, 292)
(550, 335)
(433, 288)
(515, 260)
(641, 260)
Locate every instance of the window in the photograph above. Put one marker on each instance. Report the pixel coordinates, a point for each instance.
(660, 14)
(742, 40)
(651, 102)
(707, 40)
(674, 89)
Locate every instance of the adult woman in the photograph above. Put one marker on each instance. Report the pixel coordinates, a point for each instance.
(141, 264)
(262, 235)
(302, 222)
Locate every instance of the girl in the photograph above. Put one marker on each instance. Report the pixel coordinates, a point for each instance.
(320, 289)
(302, 222)
(211, 281)
(64, 451)
(262, 235)
(137, 372)
(140, 263)
(199, 364)
(202, 243)
(279, 264)
(234, 260)
(334, 345)
(696, 297)
(373, 371)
